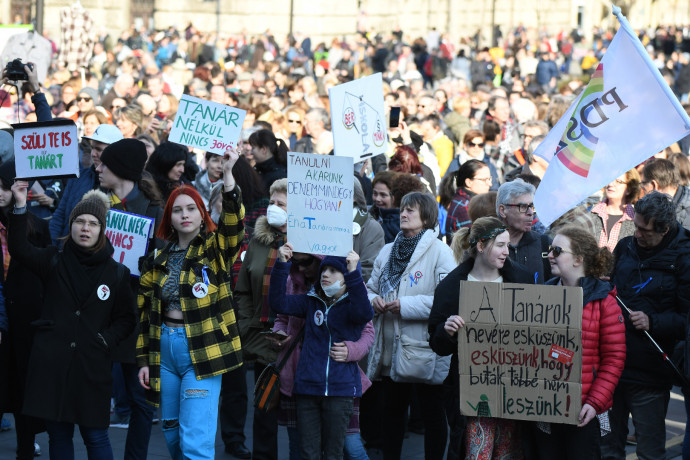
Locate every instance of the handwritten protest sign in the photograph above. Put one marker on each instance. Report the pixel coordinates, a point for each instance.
(358, 118)
(129, 234)
(520, 351)
(46, 149)
(206, 125)
(319, 203)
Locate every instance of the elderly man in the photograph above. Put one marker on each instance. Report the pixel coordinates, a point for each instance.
(515, 206)
(318, 139)
(122, 89)
(663, 176)
(651, 275)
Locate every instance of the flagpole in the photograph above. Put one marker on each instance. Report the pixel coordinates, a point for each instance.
(627, 28)
(665, 356)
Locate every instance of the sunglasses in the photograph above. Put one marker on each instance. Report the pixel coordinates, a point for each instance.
(303, 262)
(472, 144)
(557, 251)
(83, 98)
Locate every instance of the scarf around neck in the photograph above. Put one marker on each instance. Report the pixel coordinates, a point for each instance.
(402, 251)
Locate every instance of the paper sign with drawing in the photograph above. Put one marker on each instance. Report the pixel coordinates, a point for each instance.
(520, 351)
(319, 199)
(358, 119)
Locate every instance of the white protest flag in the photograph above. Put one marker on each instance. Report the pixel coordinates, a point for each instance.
(626, 114)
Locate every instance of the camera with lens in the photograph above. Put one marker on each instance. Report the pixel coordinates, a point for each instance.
(14, 70)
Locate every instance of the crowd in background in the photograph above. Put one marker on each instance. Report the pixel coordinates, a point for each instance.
(452, 197)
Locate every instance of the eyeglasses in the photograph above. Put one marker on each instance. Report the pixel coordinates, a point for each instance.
(83, 98)
(472, 144)
(87, 223)
(522, 207)
(486, 180)
(557, 250)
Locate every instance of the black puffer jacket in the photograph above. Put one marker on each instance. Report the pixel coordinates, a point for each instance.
(445, 304)
(657, 285)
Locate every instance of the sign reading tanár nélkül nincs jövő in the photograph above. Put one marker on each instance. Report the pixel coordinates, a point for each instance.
(46, 149)
(129, 234)
(206, 125)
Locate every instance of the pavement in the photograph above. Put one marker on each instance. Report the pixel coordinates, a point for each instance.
(413, 446)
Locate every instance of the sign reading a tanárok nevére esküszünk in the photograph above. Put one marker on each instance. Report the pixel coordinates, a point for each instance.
(206, 125)
(319, 201)
(358, 118)
(520, 351)
(129, 234)
(46, 149)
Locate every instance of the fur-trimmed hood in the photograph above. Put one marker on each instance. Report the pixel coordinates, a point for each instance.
(264, 233)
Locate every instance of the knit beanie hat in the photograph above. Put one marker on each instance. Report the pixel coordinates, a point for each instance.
(95, 203)
(92, 93)
(339, 263)
(126, 158)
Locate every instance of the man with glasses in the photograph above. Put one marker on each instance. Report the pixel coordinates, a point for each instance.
(651, 275)
(663, 176)
(515, 206)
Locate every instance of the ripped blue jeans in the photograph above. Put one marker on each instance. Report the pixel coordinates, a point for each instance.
(189, 407)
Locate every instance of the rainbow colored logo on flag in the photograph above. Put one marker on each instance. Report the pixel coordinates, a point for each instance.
(576, 152)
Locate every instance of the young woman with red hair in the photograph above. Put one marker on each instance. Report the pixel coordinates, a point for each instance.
(189, 335)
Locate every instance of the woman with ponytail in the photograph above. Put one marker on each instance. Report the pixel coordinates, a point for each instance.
(576, 260)
(270, 154)
(485, 245)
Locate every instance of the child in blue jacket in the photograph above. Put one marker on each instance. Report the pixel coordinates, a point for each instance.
(336, 310)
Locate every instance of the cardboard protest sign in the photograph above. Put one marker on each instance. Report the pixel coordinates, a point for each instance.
(520, 351)
(358, 118)
(319, 200)
(46, 149)
(206, 125)
(129, 234)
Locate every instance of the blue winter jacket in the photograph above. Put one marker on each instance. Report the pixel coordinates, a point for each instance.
(317, 374)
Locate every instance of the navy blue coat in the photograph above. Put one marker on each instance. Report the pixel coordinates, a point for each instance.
(317, 374)
(658, 286)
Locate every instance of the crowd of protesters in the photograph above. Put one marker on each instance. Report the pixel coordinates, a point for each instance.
(452, 198)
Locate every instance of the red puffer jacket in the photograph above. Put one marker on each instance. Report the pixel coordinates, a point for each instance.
(603, 344)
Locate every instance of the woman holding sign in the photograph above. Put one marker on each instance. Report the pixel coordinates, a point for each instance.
(401, 288)
(88, 309)
(189, 334)
(576, 260)
(486, 246)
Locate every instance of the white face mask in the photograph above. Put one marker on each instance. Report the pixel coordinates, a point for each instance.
(332, 289)
(276, 216)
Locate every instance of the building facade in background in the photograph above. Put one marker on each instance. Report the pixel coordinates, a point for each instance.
(326, 19)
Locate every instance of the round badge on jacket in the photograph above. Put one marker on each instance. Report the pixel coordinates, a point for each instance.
(103, 292)
(200, 290)
(318, 317)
